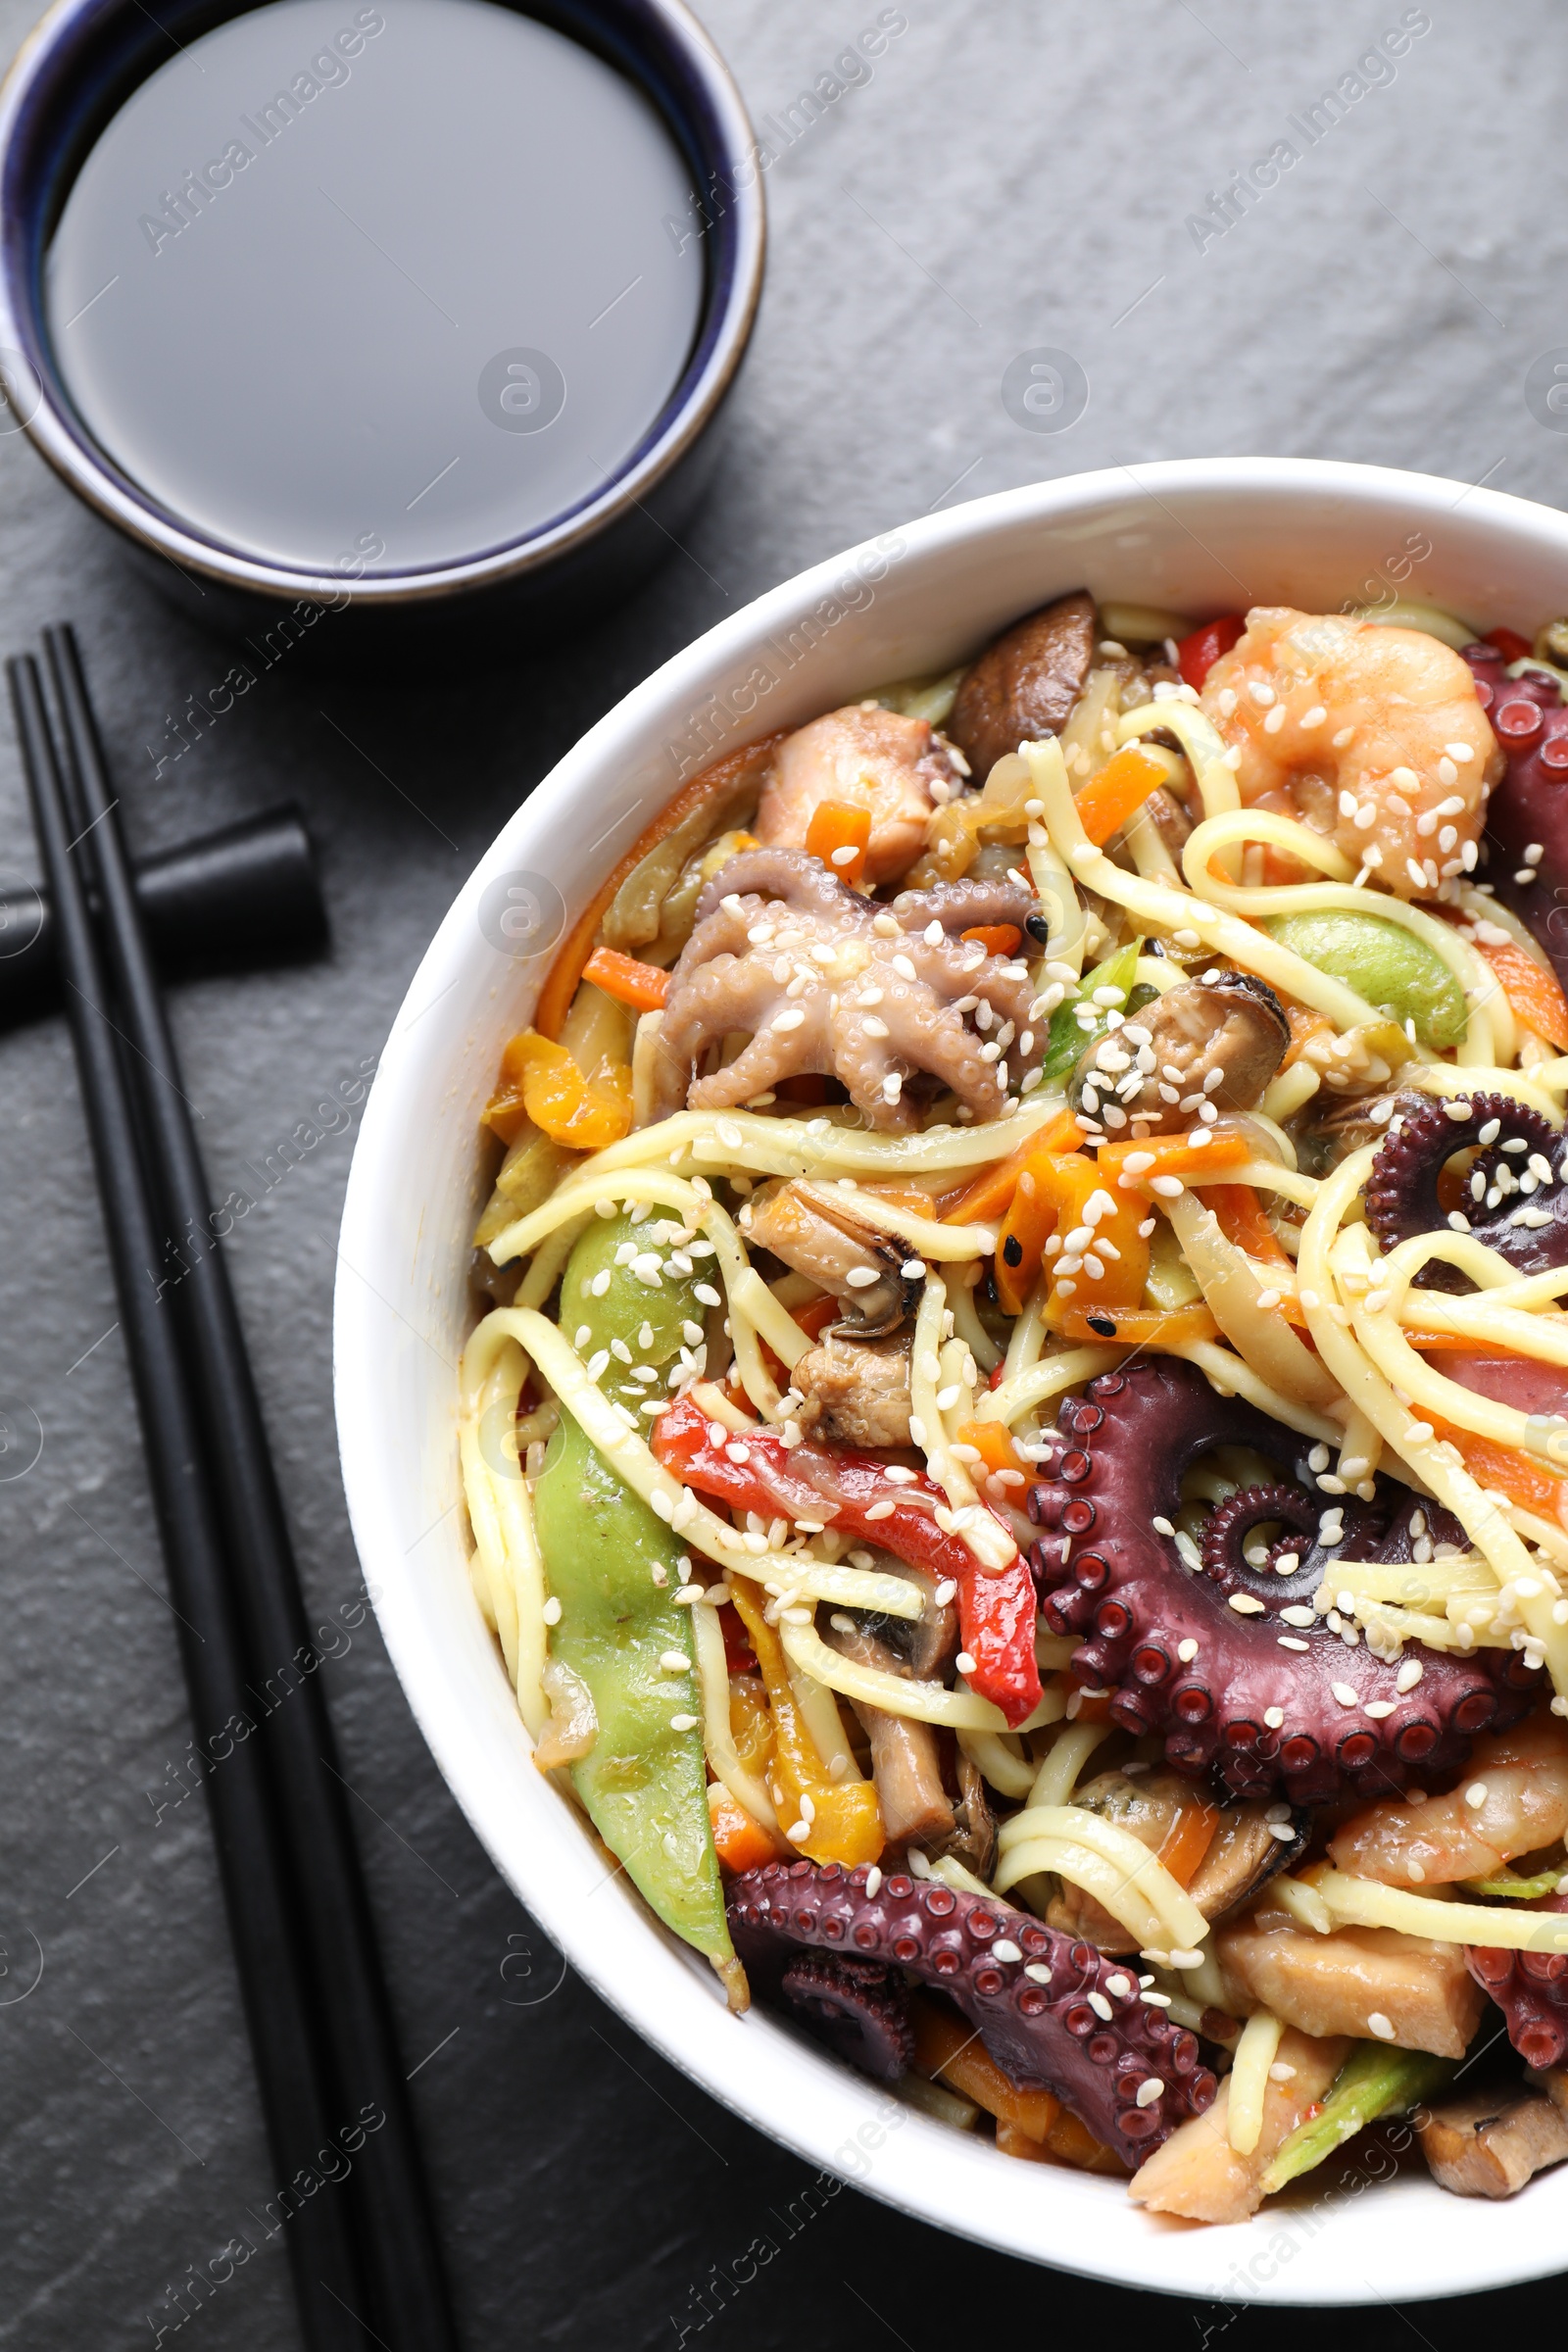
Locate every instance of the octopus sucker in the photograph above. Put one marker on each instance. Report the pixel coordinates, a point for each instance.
(830, 982)
(1531, 1989)
(1527, 821)
(1264, 1699)
(1049, 2008)
(1515, 1200)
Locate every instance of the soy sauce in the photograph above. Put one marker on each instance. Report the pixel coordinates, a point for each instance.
(375, 287)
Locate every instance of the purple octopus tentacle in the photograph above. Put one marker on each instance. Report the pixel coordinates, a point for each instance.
(1266, 1693)
(1531, 1989)
(1529, 810)
(858, 2006)
(1049, 2008)
(1515, 1199)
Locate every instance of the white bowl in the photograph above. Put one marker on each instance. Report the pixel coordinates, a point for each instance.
(1201, 536)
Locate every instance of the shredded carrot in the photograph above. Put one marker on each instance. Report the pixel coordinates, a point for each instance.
(1531, 989)
(948, 2045)
(540, 1081)
(1189, 1840)
(1120, 789)
(643, 986)
(996, 939)
(555, 998)
(838, 826)
(1072, 2143)
(1523, 1479)
(740, 1840)
(1241, 1220)
(1304, 1026)
(1174, 1156)
(1052, 1197)
(816, 1313)
(992, 1443)
(990, 1193)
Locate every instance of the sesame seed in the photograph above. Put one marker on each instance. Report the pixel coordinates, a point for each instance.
(1379, 2025)
(1006, 1951)
(1187, 1650)
(1246, 1604)
(964, 1662)
(1409, 1676)
(1345, 1694)
(1475, 1796)
(1100, 2006)
(1274, 1717)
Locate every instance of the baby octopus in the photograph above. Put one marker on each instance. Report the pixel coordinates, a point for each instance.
(1224, 1656)
(1049, 2007)
(825, 980)
(1373, 736)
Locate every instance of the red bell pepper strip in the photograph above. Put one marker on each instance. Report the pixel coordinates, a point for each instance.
(996, 1611)
(1197, 654)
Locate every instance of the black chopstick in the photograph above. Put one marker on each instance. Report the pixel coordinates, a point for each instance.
(273, 1975)
(384, 2189)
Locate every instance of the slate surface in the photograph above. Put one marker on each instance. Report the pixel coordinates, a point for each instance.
(1008, 176)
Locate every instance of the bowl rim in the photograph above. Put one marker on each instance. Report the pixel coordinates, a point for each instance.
(718, 124)
(798, 2097)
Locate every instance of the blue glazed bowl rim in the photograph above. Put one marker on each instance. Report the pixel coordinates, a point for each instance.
(658, 43)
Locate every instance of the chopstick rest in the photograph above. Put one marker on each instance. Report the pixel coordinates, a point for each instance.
(243, 898)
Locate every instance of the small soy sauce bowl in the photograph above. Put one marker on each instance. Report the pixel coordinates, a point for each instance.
(583, 442)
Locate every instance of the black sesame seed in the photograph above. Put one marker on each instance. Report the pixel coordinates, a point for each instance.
(1102, 1324)
(1013, 1251)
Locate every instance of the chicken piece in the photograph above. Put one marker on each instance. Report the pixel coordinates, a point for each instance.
(1213, 1040)
(1523, 1774)
(1368, 1982)
(857, 1392)
(1488, 2143)
(1201, 2177)
(866, 757)
(1025, 685)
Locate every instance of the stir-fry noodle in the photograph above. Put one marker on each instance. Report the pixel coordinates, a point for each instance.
(1017, 1444)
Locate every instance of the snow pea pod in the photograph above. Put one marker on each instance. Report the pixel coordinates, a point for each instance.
(612, 1564)
(1374, 2080)
(1385, 963)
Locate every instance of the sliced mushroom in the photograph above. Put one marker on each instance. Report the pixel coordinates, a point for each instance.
(1216, 1041)
(1326, 1134)
(1242, 1855)
(1170, 819)
(857, 1392)
(973, 1840)
(1025, 684)
(1488, 2143)
(803, 1224)
(906, 1757)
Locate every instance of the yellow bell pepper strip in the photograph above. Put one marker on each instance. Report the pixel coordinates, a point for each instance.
(846, 1824)
(540, 1081)
(1117, 793)
(840, 834)
(705, 795)
(987, 1199)
(1052, 1198)
(612, 1567)
(1130, 1327)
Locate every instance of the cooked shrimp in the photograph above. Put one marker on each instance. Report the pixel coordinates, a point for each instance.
(870, 758)
(1371, 735)
(1523, 1806)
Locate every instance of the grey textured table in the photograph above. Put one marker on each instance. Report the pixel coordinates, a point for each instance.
(1008, 176)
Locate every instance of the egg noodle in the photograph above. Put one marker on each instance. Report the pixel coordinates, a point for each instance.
(745, 1319)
